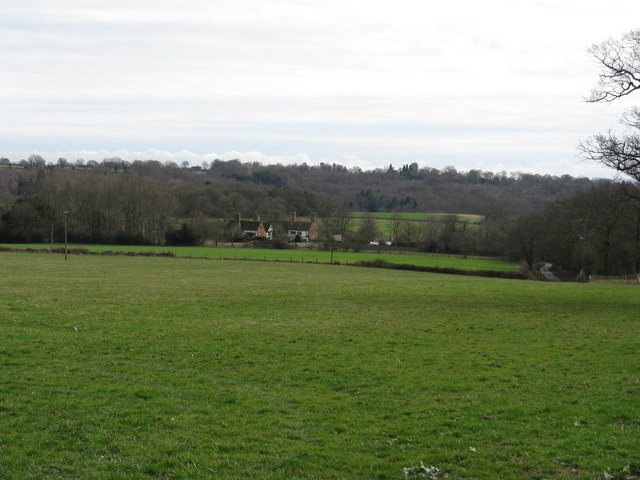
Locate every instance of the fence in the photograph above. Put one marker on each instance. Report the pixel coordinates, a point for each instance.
(630, 279)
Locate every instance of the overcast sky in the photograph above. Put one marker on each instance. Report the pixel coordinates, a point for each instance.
(494, 85)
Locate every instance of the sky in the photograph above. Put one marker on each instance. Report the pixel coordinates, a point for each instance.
(492, 85)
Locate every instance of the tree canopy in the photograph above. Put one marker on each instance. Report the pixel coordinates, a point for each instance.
(620, 76)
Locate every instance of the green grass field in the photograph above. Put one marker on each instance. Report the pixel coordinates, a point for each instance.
(418, 216)
(384, 222)
(461, 262)
(146, 368)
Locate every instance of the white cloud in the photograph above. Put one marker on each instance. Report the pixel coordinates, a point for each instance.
(562, 166)
(259, 157)
(557, 167)
(166, 156)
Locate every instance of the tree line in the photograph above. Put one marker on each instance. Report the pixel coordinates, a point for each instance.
(592, 232)
(217, 186)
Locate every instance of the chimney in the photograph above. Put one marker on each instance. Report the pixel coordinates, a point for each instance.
(236, 219)
(257, 218)
(293, 217)
(313, 218)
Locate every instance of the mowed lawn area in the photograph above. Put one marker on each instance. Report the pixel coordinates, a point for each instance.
(461, 262)
(144, 368)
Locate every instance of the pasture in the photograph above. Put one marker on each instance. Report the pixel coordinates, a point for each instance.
(418, 216)
(385, 220)
(146, 368)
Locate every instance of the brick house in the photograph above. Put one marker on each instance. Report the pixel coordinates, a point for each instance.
(238, 228)
(304, 231)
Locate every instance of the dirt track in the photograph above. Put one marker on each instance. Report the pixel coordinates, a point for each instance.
(548, 276)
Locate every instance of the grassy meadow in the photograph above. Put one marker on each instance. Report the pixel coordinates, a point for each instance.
(143, 368)
(384, 220)
(418, 216)
(462, 262)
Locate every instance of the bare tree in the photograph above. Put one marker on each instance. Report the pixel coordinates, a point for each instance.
(620, 76)
(368, 230)
(620, 59)
(409, 234)
(394, 225)
(333, 223)
(448, 233)
(36, 161)
(52, 188)
(201, 227)
(525, 237)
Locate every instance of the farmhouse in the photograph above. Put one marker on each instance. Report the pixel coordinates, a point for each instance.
(293, 230)
(300, 231)
(238, 228)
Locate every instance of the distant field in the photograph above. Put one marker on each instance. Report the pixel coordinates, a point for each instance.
(384, 221)
(150, 368)
(418, 216)
(315, 256)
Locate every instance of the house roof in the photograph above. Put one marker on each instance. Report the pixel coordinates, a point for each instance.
(249, 224)
(299, 226)
(253, 225)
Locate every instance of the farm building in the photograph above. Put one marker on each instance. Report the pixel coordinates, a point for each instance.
(239, 228)
(292, 229)
(300, 231)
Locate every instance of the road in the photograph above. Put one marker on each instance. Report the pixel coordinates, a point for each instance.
(548, 276)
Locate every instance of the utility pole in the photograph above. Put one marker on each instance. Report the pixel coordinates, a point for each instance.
(333, 239)
(66, 219)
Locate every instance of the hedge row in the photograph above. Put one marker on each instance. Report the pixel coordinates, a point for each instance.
(451, 271)
(84, 251)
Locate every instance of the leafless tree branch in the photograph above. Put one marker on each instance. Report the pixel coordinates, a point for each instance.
(621, 153)
(620, 59)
